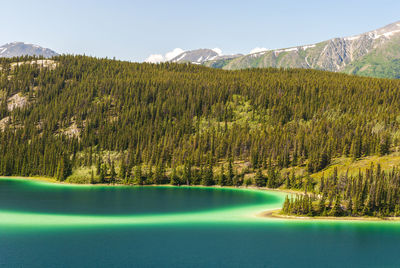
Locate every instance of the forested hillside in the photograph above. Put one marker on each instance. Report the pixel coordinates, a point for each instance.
(186, 124)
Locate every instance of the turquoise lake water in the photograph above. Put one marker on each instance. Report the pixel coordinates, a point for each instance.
(49, 225)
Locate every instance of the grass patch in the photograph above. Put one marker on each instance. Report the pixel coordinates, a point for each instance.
(82, 175)
(347, 164)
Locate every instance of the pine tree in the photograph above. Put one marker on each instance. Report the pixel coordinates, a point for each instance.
(287, 181)
(174, 179)
(259, 179)
(112, 173)
(222, 177)
(123, 170)
(208, 177)
(102, 175)
(321, 205)
(92, 177)
(64, 168)
(350, 207)
(323, 160)
(230, 175)
(286, 204)
(384, 145)
(272, 181)
(98, 166)
(187, 174)
(138, 175)
(158, 176)
(336, 209)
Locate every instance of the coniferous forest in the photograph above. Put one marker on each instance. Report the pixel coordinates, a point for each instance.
(373, 193)
(171, 123)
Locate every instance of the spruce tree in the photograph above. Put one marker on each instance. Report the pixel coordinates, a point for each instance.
(138, 175)
(259, 179)
(222, 177)
(112, 173)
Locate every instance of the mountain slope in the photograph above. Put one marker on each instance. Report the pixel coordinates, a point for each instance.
(17, 49)
(196, 56)
(107, 115)
(201, 56)
(375, 53)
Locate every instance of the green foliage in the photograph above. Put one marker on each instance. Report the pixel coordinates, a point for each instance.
(373, 193)
(222, 177)
(122, 116)
(208, 177)
(375, 65)
(300, 205)
(138, 175)
(259, 179)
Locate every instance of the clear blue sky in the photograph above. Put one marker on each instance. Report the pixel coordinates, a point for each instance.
(132, 30)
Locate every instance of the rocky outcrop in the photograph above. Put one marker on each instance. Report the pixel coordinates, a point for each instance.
(17, 49)
(337, 54)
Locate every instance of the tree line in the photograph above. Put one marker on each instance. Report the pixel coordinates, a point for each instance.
(370, 193)
(187, 122)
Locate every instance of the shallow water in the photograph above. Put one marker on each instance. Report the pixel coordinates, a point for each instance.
(46, 225)
(32, 196)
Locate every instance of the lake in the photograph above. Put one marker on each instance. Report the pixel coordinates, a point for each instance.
(51, 225)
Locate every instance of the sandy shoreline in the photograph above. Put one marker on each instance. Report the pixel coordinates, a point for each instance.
(274, 214)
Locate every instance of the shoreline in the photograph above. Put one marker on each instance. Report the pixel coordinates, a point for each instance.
(274, 214)
(56, 182)
(268, 214)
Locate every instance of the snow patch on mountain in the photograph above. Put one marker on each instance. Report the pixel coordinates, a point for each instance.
(218, 51)
(307, 47)
(258, 50)
(157, 58)
(17, 49)
(277, 52)
(352, 38)
(181, 57)
(388, 34)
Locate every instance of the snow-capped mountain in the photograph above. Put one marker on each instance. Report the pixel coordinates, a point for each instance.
(197, 56)
(17, 49)
(200, 56)
(374, 53)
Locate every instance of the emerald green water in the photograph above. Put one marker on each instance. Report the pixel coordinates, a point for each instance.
(49, 225)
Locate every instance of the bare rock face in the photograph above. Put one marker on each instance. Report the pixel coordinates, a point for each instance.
(340, 52)
(16, 101)
(360, 47)
(18, 49)
(337, 54)
(201, 56)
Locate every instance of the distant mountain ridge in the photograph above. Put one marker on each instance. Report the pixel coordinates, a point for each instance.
(375, 53)
(201, 56)
(197, 56)
(17, 49)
